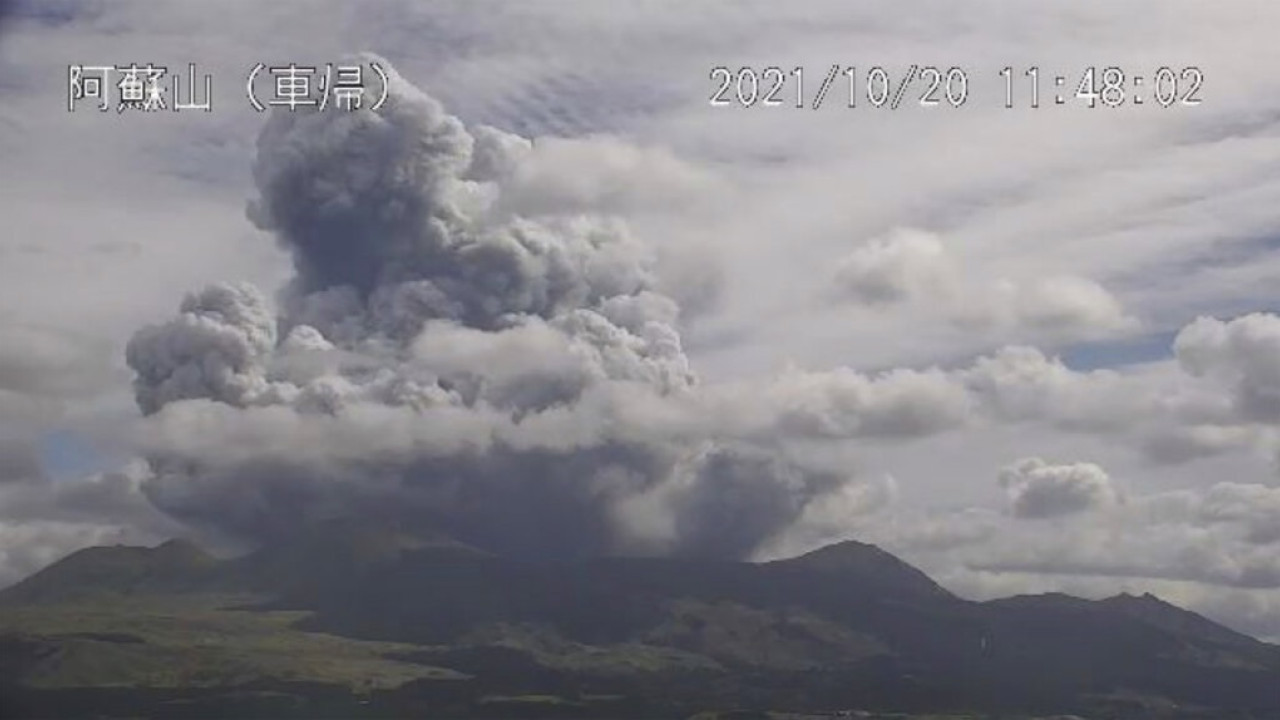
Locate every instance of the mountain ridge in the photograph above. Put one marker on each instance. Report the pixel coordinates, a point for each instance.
(844, 624)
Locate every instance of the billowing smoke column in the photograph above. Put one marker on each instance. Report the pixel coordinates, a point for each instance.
(517, 381)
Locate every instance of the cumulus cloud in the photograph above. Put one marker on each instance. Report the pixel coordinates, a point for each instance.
(591, 174)
(1243, 353)
(1067, 305)
(1039, 490)
(844, 403)
(913, 266)
(903, 265)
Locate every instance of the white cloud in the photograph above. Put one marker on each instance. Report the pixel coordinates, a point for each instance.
(1038, 489)
(904, 265)
(911, 266)
(1244, 353)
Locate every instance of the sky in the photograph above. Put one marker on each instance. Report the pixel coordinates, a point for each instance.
(552, 298)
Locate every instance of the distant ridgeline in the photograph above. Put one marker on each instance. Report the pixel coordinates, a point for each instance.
(351, 620)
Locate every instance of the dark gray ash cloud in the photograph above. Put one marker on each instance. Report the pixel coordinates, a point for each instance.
(472, 339)
(515, 378)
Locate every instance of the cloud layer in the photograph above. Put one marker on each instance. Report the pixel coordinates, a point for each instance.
(915, 267)
(454, 353)
(446, 359)
(1040, 490)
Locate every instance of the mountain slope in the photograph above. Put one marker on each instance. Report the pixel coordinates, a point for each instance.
(844, 626)
(174, 566)
(856, 562)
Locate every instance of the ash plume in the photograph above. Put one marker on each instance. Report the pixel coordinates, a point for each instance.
(517, 379)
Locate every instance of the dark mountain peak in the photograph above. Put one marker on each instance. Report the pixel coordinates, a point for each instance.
(1145, 606)
(866, 564)
(124, 558)
(850, 555)
(1171, 618)
(1055, 600)
(1125, 610)
(843, 554)
(172, 565)
(1146, 599)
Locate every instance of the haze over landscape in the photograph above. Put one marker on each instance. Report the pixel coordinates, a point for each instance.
(547, 305)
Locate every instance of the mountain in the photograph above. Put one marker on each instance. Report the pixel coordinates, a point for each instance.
(176, 565)
(866, 565)
(360, 619)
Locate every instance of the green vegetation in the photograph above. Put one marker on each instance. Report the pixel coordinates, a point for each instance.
(544, 646)
(351, 621)
(734, 634)
(197, 641)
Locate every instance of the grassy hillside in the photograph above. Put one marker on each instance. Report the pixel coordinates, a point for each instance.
(194, 641)
(354, 621)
